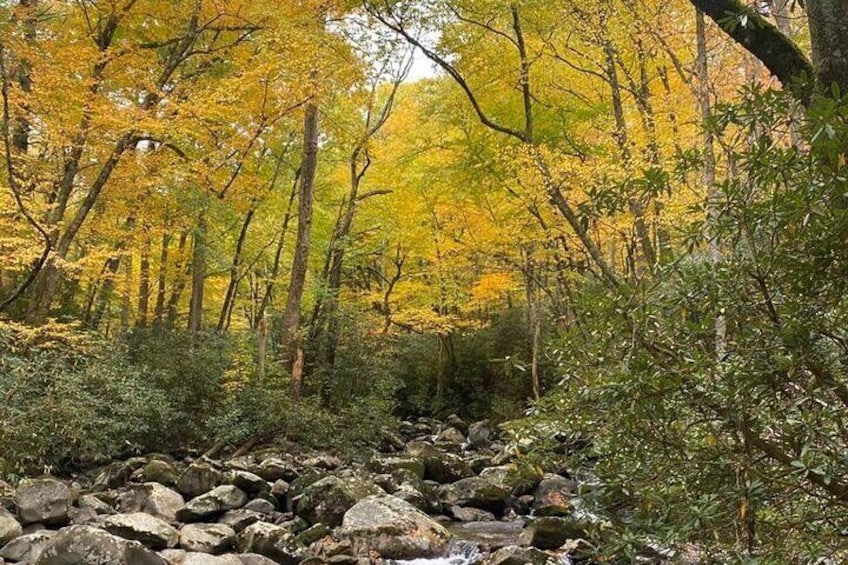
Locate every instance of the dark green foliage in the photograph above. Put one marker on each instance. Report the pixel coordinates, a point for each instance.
(69, 400)
(488, 373)
(743, 455)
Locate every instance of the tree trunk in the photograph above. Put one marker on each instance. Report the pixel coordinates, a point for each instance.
(162, 279)
(300, 264)
(232, 287)
(179, 284)
(144, 279)
(709, 172)
(198, 276)
(829, 41)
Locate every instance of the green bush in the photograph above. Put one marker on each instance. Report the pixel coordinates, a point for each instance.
(743, 455)
(70, 399)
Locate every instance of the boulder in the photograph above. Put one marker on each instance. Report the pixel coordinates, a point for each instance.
(481, 434)
(91, 502)
(85, 545)
(152, 498)
(327, 499)
(211, 504)
(439, 465)
(456, 422)
(248, 482)
(239, 519)
(181, 557)
(44, 501)
(553, 496)
(450, 435)
(153, 532)
(26, 547)
(390, 465)
(207, 538)
(516, 555)
(393, 529)
(478, 492)
(255, 559)
(462, 514)
(519, 481)
(199, 478)
(157, 471)
(10, 528)
(274, 542)
(260, 505)
(206, 559)
(273, 469)
(550, 532)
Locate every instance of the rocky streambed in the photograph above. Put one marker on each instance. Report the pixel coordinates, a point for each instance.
(441, 491)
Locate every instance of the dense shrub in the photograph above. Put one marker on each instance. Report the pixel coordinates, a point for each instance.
(743, 454)
(69, 399)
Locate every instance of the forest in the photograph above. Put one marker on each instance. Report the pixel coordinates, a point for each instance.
(575, 267)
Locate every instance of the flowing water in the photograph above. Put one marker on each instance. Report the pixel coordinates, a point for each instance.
(472, 540)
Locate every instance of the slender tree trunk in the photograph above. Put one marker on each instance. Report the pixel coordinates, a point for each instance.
(709, 172)
(232, 287)
(637, 206)
(126, 302)
(144, 279)
(198, 276)
(161, 283)
(290, 340)
(268, 293)
(179, 283)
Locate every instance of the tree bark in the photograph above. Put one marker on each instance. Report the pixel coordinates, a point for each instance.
(144, 279)
(781, 56)
(162, 280)
(232, 287)
(709, 170)
(829, 40)
(198, 276)
(179, 283)
(289, 339)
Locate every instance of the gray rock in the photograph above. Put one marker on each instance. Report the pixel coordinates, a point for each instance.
(515, 555)
(153, 532)
(152, 498)
(26, 547)
(391, 464)
(206, 559)
(413, 496)
(89, 501)
(85, 545)
(478, 492)
(273, 469)
(255, 559)
(393, 529)
(44, 501)
(553, 496)
(239, 519)
(462, 514)
(455, 421)
(248, 482)
(450, 435)
(439, 465)
(327, 499)
(207, 538)
(260, 505)
(10, 528)
(481, 434)
(197, 479)
(157, 471)
(211, 504)
(550, 532)
(269, 540)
